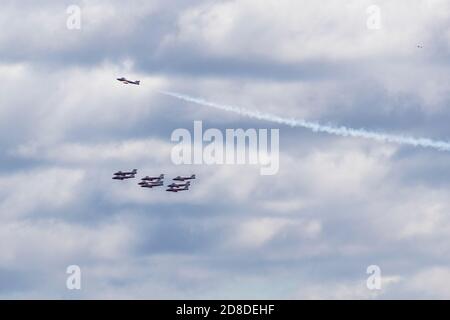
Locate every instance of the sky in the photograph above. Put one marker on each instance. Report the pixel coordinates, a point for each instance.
(336, 206)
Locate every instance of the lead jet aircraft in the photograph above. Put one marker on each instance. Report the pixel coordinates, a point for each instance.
(147, 178)
(177, 189)
(184, 178)
(125, 81)
(176, 185)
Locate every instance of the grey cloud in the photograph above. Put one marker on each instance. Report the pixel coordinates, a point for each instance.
(336, 206)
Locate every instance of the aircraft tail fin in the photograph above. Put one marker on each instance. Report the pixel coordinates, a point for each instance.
(138, 82)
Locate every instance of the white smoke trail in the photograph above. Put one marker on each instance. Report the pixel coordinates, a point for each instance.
(317, 127)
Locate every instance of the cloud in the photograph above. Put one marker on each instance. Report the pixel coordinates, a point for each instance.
(356, 290)
(257, 232)
(48, 189)
(124, 151)
(432, 283)
(336, 206)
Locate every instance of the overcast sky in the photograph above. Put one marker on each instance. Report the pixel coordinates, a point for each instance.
(336, 206)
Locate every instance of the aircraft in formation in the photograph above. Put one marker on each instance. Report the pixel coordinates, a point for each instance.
(179, 178)
(150, 185)
(157, 181)
(150, 182)
(126, 81)
(175, 187)
(147, 178)
(119, 175)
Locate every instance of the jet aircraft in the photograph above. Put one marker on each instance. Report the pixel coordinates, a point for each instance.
(147, 178)
(120, 173)
(177, 189)
(125, 81)
(184, 178)
(124, 175)
(177, 185)
(151, 184)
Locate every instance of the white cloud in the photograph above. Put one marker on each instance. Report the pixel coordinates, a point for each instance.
(256, 232)
(433, 282)
(125, 151)
(295, 30)
(42, 27)
(67, 124)
(347, 290)
(52, 242)
(71, 100)
(48, 189)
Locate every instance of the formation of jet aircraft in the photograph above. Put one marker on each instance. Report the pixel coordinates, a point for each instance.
(126, 81)
(156, 181)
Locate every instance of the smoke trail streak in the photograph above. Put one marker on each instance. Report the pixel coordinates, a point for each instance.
(317, 127)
